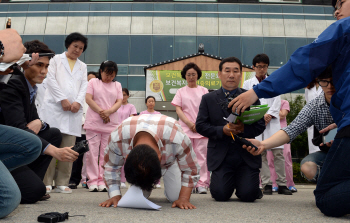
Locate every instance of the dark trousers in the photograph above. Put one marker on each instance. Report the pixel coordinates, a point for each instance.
(77, 165)
(333, 186)
(30, 178)
(235, 174)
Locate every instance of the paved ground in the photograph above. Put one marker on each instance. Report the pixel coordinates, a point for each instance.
(300, 207)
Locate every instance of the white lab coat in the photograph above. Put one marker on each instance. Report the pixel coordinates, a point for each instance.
(63, 84)
(40, 96)
(275, 106)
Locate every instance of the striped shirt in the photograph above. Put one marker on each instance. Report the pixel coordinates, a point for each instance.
(173, 144)
(316, 112)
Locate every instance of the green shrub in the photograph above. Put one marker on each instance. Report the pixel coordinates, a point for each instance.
(299, 146)
(297, 178)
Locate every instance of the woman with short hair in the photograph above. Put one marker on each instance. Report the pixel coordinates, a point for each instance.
(62, 105)
(186, 101)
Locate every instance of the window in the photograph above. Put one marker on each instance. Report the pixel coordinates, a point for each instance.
(185, 45)
(162, 48)
(275, 48)
(55, 43)
(118, 49)
(210, 44)
(251, 46)
(292, 44)
(230, 46)
(97, 49)
(140, 50)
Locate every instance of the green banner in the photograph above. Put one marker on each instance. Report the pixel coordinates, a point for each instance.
(163, 84)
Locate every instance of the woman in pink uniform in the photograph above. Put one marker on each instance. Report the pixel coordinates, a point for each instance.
(186, 101)
(286, 153)
(104, 97)
(150, 103)
(125, 111)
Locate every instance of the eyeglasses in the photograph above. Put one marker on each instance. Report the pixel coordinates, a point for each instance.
(338, 6)
(262, 67)
(324, 83)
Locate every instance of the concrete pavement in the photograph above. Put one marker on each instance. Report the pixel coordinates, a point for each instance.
(300, 207)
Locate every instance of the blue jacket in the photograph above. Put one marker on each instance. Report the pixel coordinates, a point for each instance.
(307, 62)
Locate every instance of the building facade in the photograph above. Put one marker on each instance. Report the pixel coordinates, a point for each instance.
(136, 34)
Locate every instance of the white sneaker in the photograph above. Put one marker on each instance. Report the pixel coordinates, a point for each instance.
(102, 188)
(122, 185)
(158, 186)
(48, 189)
(202, 190)
(93, 188)
(63, 190)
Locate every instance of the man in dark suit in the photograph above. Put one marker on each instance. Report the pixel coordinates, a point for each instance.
(232, 166)
(18, 110)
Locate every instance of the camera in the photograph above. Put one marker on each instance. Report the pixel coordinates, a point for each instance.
(53, 217)
(224, 105)
(81, 147)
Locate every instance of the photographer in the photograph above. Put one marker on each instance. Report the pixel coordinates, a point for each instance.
(232, 167)
(18, 110)
(17, 147)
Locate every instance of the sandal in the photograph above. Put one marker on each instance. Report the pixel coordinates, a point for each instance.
(48, 189)
(63, 190)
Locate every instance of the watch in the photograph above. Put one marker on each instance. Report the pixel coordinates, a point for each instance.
(42, 123)
(2, 50)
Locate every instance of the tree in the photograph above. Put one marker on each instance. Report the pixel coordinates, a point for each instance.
(299, 146)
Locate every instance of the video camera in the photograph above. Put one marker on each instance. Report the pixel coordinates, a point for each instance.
(224, 105)
(81, 147)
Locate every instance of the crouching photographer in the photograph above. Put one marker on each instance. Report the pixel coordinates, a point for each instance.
(18, 110)
(17, 147)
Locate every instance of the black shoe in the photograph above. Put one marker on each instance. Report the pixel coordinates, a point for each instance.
(284, 190)
(72, 186)
(268, 190)
(260, 194)
(45, 197)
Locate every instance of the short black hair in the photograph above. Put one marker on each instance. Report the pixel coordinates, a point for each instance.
(35, 46)
(142, 167)
(327, 73)
(93, 73)
(126, 91)
(262, 57)
(73, 37)
(149, 98)
(109, 67)
(334, 2)
(190, 66)
(230, 60)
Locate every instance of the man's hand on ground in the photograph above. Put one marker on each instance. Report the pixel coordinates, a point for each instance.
(112, 201)
(35, 126)
(183, 203)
